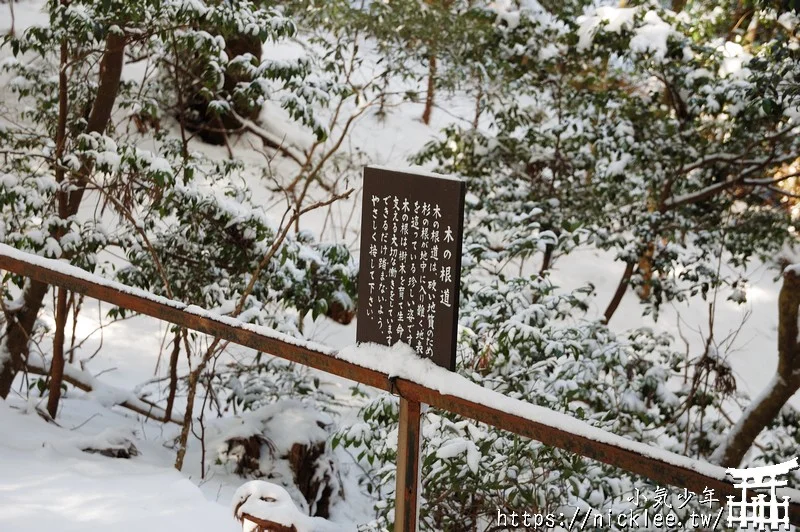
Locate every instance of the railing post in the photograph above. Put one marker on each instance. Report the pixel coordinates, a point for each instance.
(408, 462)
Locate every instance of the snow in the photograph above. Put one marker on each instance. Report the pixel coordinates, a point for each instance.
(793, 268)
(306, 425)
(652, 36)
(506, 11)
(159, 164)
(452, 448)
(735, 59)
(789, 20)
(615, 19)
(401, 361)
(793, 113)
(417, 170)
(110, 438)
(459, 446)
(617, 167)
(48, 483)
(109, 396)
(103, 393)
(271, 502)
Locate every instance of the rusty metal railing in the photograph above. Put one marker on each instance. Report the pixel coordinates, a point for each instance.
(683, 474)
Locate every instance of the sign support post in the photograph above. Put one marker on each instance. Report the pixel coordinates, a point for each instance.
(408, 465)
(408, 291)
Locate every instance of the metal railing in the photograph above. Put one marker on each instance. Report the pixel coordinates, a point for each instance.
(675, 470)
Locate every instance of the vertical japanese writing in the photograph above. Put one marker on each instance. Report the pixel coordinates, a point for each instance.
(413, 256)
(446, 275)
(372, 228)
(411, 232)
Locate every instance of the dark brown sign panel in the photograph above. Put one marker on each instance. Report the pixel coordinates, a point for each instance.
(410, 261)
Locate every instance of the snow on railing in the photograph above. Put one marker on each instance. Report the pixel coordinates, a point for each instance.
(398, 370)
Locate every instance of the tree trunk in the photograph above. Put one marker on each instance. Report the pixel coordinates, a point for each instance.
(757, 416)
(57, 364)
(20, 322)
(478, 101)
(19, 325)
(426, 114)
(12, 30)
(621, 288)
(194, 378)
(547, 258)
(783, 386)
(173, 374)
(194, 381)
(752, 31)
(646, 267)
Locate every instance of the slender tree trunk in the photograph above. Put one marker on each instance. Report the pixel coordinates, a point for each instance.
(20, 322)
(74, 305)
(194, 378)
(621, 288)
(646, 267)
(57, 364)
(11, 30)
(783, 386)
(173, 374)
(547, 258)
(752, 30)
(381, 113)
(757, 416)
(426, 114)
(478, 101)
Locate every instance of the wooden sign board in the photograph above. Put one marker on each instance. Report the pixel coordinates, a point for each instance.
(410, 261)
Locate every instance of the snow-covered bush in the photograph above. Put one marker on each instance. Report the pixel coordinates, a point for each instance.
(285, 442)
(635, 126)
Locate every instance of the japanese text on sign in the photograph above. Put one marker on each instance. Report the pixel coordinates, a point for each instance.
(410, 261)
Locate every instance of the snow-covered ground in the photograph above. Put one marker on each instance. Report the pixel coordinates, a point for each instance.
(48, 483)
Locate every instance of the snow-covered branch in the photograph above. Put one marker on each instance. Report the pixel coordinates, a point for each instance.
(104, 393)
